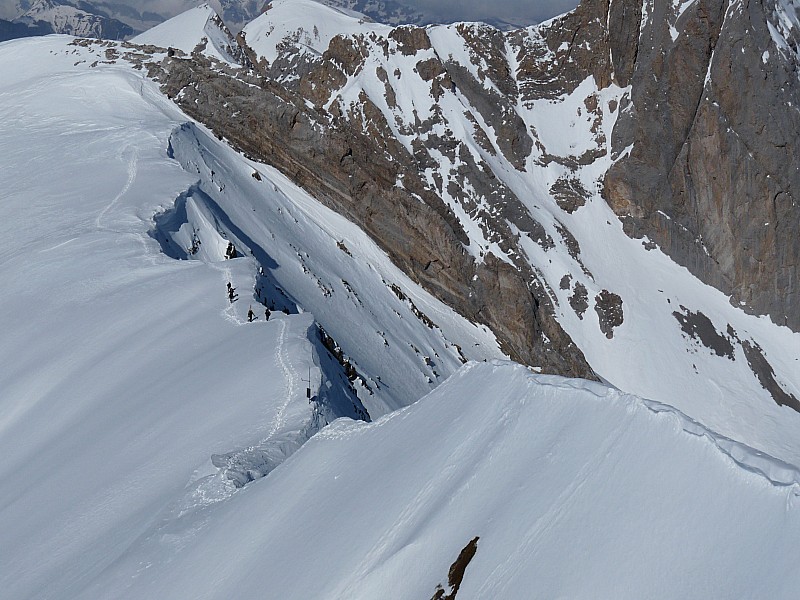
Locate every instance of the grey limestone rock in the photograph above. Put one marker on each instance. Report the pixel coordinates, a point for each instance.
(713, 173)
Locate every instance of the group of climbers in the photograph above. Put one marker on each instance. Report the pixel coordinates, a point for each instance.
(231, 252)
(251, 315)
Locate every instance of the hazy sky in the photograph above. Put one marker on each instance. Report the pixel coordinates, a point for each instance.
(509, 10)
(514, 11)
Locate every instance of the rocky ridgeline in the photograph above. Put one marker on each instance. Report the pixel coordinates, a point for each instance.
(419, 135)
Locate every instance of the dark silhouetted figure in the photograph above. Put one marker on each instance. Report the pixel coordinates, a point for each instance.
(266, 314)
(251, 316)
(230, 252)
(231, 293)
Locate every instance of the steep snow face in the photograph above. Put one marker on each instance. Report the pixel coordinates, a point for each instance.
(574, 490)
(400, 340)
(200, 26)
(302, 25)
(472, 105)
(134, 395)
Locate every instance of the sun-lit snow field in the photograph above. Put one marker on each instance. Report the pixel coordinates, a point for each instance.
(125, 370)
(134, 396)
(575, 491)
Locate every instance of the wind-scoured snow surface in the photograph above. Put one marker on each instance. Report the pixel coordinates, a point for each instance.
(574, 490)
(134, 397)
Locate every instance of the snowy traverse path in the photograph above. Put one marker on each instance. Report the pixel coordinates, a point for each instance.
(133, 168)
(229, 312)
(289, 377)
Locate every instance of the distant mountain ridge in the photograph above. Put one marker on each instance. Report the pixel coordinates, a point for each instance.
(109, 19)
(79, 18)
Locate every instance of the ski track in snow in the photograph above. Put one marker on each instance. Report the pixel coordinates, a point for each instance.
(133, 167)
(285, 364)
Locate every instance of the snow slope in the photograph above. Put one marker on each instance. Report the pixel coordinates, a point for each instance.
(136, 400)
(574, 490)
(131, 391)
(186, 31)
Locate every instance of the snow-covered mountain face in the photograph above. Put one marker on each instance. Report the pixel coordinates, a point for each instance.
(501, 484)
(199, 29)
(219, 247)
(142, 371)
(487, 165)
(79, 19)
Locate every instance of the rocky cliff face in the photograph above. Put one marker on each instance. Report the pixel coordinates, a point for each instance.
(485, 162)
(341, 165)
(713, 174)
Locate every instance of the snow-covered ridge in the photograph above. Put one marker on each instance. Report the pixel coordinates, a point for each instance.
(774, 470)
(147, 369)
(200, 26)
(569, 476)
(308, 25)
(407, 341)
